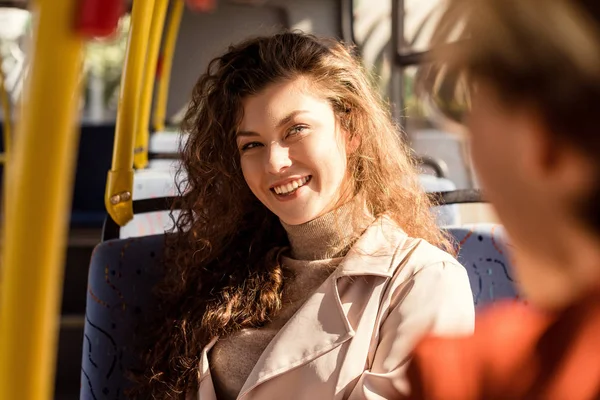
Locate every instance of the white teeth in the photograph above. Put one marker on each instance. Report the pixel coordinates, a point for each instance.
(290, 187)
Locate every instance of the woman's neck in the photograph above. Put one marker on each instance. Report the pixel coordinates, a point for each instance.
(329, 235)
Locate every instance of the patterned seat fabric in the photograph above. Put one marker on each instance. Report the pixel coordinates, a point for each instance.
(121, 276)
(482, 249)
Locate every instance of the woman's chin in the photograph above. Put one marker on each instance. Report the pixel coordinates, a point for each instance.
(294, 220)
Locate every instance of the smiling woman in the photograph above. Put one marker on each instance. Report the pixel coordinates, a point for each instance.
(306, 262)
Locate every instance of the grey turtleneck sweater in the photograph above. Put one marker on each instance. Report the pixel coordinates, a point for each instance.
(316, 249)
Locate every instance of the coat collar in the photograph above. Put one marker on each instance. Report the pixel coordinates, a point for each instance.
(375, 252)
(322, 324)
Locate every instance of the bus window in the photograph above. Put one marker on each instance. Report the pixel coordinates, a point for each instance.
(104, 58)
(425, 119)
(14, 30)
(420, 17)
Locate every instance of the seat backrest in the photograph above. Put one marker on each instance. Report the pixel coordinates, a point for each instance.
(447, 147)
(119, 298)
(160, 182)
(148, 184)
(482, 249)
(447, 214)
(167, 142)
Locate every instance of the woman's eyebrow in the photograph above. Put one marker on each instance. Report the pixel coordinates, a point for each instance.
(289, 117)
(284, 121)
(246, 134)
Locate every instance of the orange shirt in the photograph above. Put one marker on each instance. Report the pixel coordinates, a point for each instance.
(515, 353)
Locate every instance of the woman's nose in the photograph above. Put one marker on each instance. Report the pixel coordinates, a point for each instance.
(278, 159)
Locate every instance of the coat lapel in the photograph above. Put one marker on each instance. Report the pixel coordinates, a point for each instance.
(322, 323)
(206, 389)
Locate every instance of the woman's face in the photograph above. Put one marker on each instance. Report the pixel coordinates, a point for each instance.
(292, 150)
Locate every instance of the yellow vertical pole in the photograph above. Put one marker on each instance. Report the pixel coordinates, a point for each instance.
(119, 185)
(140, 157)
(38, 195)
(162, 95)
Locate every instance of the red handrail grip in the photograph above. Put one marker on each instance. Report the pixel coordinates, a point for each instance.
(99, 18)
(202, 5)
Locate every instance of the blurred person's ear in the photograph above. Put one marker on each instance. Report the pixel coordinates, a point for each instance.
(555, 163)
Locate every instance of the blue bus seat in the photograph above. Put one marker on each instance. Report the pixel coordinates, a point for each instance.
(484, 251)
(119, 298)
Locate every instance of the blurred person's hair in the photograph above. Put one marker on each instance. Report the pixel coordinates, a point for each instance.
(540, 53)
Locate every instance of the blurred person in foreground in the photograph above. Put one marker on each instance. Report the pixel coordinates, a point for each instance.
(532, 69)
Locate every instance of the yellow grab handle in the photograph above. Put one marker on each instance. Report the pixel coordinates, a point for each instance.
(140, 151)
(119, 185)
(164, 79)
(38, 194)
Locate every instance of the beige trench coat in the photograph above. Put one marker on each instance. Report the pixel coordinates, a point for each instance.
(352, 337)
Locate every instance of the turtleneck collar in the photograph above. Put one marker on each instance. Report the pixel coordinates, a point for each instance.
(329, 235)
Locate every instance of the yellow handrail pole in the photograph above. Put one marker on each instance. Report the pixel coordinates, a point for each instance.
(164, 80)
(38, 196)
(140, 152)
(119, 185)
(6, 109)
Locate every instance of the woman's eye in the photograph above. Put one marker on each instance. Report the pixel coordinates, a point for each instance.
(297, 129)
(250, 145)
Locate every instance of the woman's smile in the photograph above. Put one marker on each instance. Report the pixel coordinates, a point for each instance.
(291, 188)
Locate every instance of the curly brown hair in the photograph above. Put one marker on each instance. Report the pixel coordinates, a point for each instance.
(221, 272)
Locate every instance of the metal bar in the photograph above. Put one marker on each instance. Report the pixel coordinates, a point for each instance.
(111, 229)
(407, 59)
(6, 110)
(164, 78)
(165, 156)
(397, 76)
(347, 21)
(410, 59)
(119, 185)
(38, 196)
(23, 4)
(438, 165)
(140, 153)
(463, 196)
